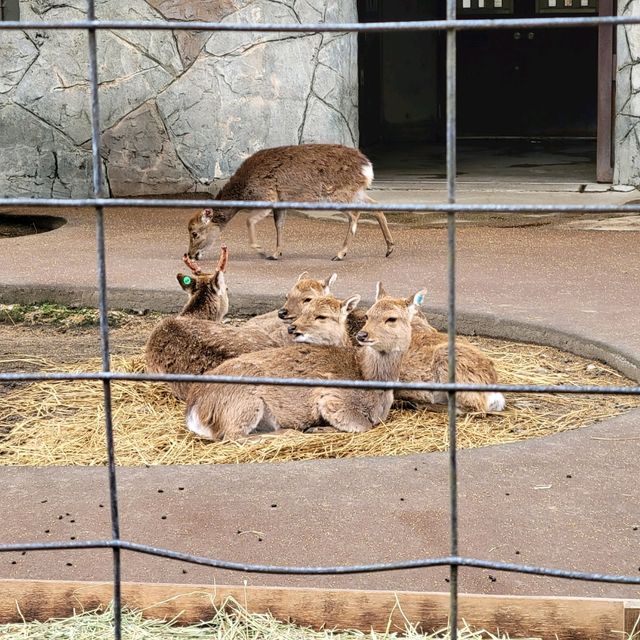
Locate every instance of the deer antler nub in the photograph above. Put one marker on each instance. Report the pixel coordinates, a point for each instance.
(224, 257)
(192, 264)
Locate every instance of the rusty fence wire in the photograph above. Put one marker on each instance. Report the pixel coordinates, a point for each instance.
(100, 202)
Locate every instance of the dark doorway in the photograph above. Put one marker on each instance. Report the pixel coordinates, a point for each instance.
(528, 82)
(400, 74)
(511, 83)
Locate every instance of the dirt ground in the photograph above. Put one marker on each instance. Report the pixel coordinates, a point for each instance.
(68, 338)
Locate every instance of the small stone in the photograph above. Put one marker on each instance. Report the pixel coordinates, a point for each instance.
(596, 188)
(624, 188)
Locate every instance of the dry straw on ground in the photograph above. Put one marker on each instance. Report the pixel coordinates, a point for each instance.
(62, 423)
(230, 622)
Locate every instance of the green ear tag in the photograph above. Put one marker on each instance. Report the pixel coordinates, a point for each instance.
(186, 281)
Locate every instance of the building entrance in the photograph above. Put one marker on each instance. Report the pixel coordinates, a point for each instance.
(511, 83)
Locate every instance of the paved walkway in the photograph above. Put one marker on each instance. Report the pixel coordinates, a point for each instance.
(559, 283)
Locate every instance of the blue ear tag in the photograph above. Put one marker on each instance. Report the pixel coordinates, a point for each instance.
(419, 299)
(186, 281)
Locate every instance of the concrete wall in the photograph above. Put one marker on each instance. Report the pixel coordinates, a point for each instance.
(627, 132)
(178, 110)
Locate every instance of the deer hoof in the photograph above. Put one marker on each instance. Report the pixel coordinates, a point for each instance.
(337, 258)
(274, 256)
(390, 249)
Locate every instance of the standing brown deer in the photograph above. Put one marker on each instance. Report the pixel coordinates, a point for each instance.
(299, 173)
(195, 340)
(227, 411)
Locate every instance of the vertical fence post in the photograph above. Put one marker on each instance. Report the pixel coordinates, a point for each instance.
(451, 312)
(104, 320)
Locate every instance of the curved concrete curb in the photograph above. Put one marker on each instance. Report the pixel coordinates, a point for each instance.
(468, 323)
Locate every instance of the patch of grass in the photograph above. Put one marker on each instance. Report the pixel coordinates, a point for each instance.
(60, 316)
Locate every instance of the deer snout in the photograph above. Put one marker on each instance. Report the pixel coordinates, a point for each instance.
(293, 331)
(362, 337)
(283, 313)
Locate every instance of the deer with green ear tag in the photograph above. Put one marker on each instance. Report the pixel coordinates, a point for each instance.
(196, 340)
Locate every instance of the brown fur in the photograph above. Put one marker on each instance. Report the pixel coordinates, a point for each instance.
(425, 361)
(307, 289)
(231, 411)
(300, 173)
(194, 340)
(275, 323)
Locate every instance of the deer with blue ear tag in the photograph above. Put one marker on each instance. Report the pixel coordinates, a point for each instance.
(426, 359)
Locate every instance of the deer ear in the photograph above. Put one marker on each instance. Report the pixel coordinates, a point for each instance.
(329, 282)
(218, 281)
(415, 302)
(206, 216)
(186, 282)
(304, 274)
(349, 305)
(380, 292)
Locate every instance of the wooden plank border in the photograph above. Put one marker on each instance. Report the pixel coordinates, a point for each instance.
(632, 619)
(540, 617)
(606, 95)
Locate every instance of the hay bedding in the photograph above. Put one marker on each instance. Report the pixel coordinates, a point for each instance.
(62, 423)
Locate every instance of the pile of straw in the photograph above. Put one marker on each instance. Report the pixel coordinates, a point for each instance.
(62, 423)
(230, 622)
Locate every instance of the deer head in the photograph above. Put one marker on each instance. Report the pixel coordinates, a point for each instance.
(324, 321)
(302, 292)
(204, 230)
(388, 322)
(208, 296)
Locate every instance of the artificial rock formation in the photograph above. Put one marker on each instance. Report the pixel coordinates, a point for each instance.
(179, 110)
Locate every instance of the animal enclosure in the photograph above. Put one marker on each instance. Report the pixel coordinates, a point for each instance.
(107, 378)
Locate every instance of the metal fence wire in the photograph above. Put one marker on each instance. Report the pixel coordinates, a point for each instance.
(451, 25)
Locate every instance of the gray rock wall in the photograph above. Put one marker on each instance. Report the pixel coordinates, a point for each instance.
(179, 110)
(627, 133)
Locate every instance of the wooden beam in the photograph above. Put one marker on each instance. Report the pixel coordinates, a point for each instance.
(606, 97)
(552, 617)
(632, 619)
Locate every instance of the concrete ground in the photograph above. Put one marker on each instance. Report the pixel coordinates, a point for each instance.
(569, 501)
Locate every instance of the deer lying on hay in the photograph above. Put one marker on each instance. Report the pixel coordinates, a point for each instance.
(221, 412)
(302, 173)
(195, 340)
(425, 361)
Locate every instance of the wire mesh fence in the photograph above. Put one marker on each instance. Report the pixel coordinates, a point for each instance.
(451, 25)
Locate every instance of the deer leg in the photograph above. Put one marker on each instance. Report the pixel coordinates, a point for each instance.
(278, 219)
(338, 410)
(384, 227)
(252, 220)
(354, 216)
